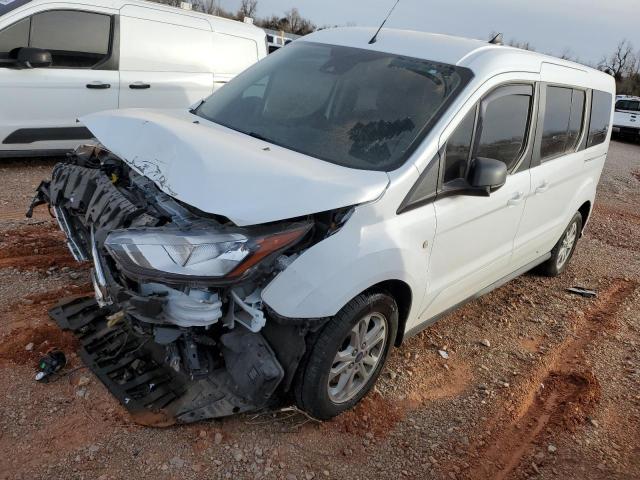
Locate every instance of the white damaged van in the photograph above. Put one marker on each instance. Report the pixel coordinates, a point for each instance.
(62, 60)
(339, 196)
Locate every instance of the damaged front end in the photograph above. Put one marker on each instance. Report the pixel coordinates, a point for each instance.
(177, 330)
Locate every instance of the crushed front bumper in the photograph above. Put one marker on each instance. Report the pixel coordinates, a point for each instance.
(134, 370)
(163, 373)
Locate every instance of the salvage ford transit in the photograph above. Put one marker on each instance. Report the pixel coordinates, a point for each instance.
(62, 60)
(275, 242)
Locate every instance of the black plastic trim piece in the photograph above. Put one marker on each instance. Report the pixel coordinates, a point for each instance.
(31, 135)
(498, 283)
(33, 153)
(132, 368)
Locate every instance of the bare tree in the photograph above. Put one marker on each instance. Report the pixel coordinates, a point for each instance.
(206, 6)
(567, 54)
(620, 60)
(172, 3)
(294, 19)
(247, 8)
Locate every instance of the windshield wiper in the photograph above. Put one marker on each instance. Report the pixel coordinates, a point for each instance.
(259, 137)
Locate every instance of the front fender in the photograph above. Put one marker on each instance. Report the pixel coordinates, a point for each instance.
(329, 274)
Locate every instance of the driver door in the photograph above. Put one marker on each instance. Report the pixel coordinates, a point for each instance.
(40, 106)
(475, 233)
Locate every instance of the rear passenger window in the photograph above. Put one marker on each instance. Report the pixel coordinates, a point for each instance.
(75, 39)
(556, 121)
(563, 116)
(504, 125)
(600, 118)
(458, 149)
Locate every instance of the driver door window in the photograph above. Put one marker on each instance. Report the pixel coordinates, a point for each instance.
(500, 132)
(505, 121)
(14, 36)
(75, 39)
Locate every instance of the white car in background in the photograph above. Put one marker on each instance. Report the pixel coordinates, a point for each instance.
(332, 200)
(626, 118)
(62, 60)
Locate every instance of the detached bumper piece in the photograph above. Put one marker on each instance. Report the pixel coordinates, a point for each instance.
(133, 368)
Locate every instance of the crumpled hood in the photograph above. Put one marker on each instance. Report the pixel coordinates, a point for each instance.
(224, 172)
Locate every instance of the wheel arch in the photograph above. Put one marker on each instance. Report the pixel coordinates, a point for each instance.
(585, 211)
(403, 296)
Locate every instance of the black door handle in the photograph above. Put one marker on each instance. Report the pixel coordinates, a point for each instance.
(139, 86)
(98, 86)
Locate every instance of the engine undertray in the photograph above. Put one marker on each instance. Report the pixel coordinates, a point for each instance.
(132, 368)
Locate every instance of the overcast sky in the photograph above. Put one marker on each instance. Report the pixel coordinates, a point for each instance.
(588, 28)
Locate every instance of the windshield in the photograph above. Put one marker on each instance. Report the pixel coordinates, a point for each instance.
(352, 107)
(7, 5)
(628, 105)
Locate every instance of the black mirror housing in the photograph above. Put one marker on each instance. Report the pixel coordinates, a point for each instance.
(29, 57)
(487, 173)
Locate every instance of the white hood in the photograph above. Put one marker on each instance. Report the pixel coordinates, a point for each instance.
(224, 172)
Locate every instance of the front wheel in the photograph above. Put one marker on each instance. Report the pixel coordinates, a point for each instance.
(563, 250)
(347, 356)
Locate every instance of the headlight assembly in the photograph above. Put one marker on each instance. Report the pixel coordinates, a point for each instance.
(199, 255)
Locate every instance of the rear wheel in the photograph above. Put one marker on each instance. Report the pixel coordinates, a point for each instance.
(347, 356)
(563, 250)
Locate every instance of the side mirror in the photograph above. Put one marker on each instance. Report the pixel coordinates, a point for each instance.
(487, 173)
(28, 57)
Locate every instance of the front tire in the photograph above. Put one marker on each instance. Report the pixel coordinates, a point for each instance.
(563, 250)
(347, 356)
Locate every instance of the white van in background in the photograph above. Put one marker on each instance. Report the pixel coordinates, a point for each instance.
(626, 119)
(62, 60)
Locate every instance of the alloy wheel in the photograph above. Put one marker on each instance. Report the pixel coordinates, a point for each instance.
(567, 245)
(357, 357)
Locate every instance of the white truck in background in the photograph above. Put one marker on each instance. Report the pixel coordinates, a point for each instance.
(63, 60)
(626, 118)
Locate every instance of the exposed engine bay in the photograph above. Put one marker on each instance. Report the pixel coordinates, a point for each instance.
(177, 330)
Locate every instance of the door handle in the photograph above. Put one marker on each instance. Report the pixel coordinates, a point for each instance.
(543, 187)
(98, 85)
(139, 86)
(516, 199)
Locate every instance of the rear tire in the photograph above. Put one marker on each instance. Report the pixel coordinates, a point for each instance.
(563, 250)
(347, 356)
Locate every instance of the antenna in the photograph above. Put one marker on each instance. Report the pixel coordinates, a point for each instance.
(375, 37)
(497, 39)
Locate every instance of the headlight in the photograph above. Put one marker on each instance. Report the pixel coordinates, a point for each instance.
(196, 256)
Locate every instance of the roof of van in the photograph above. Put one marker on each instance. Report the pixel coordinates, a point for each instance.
(217, 23)
(483, 58)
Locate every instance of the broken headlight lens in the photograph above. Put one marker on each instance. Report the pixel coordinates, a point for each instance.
(171, 253)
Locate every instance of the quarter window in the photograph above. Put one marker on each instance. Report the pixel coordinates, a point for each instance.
(504, 126)
(600, 118)
(424, 189)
